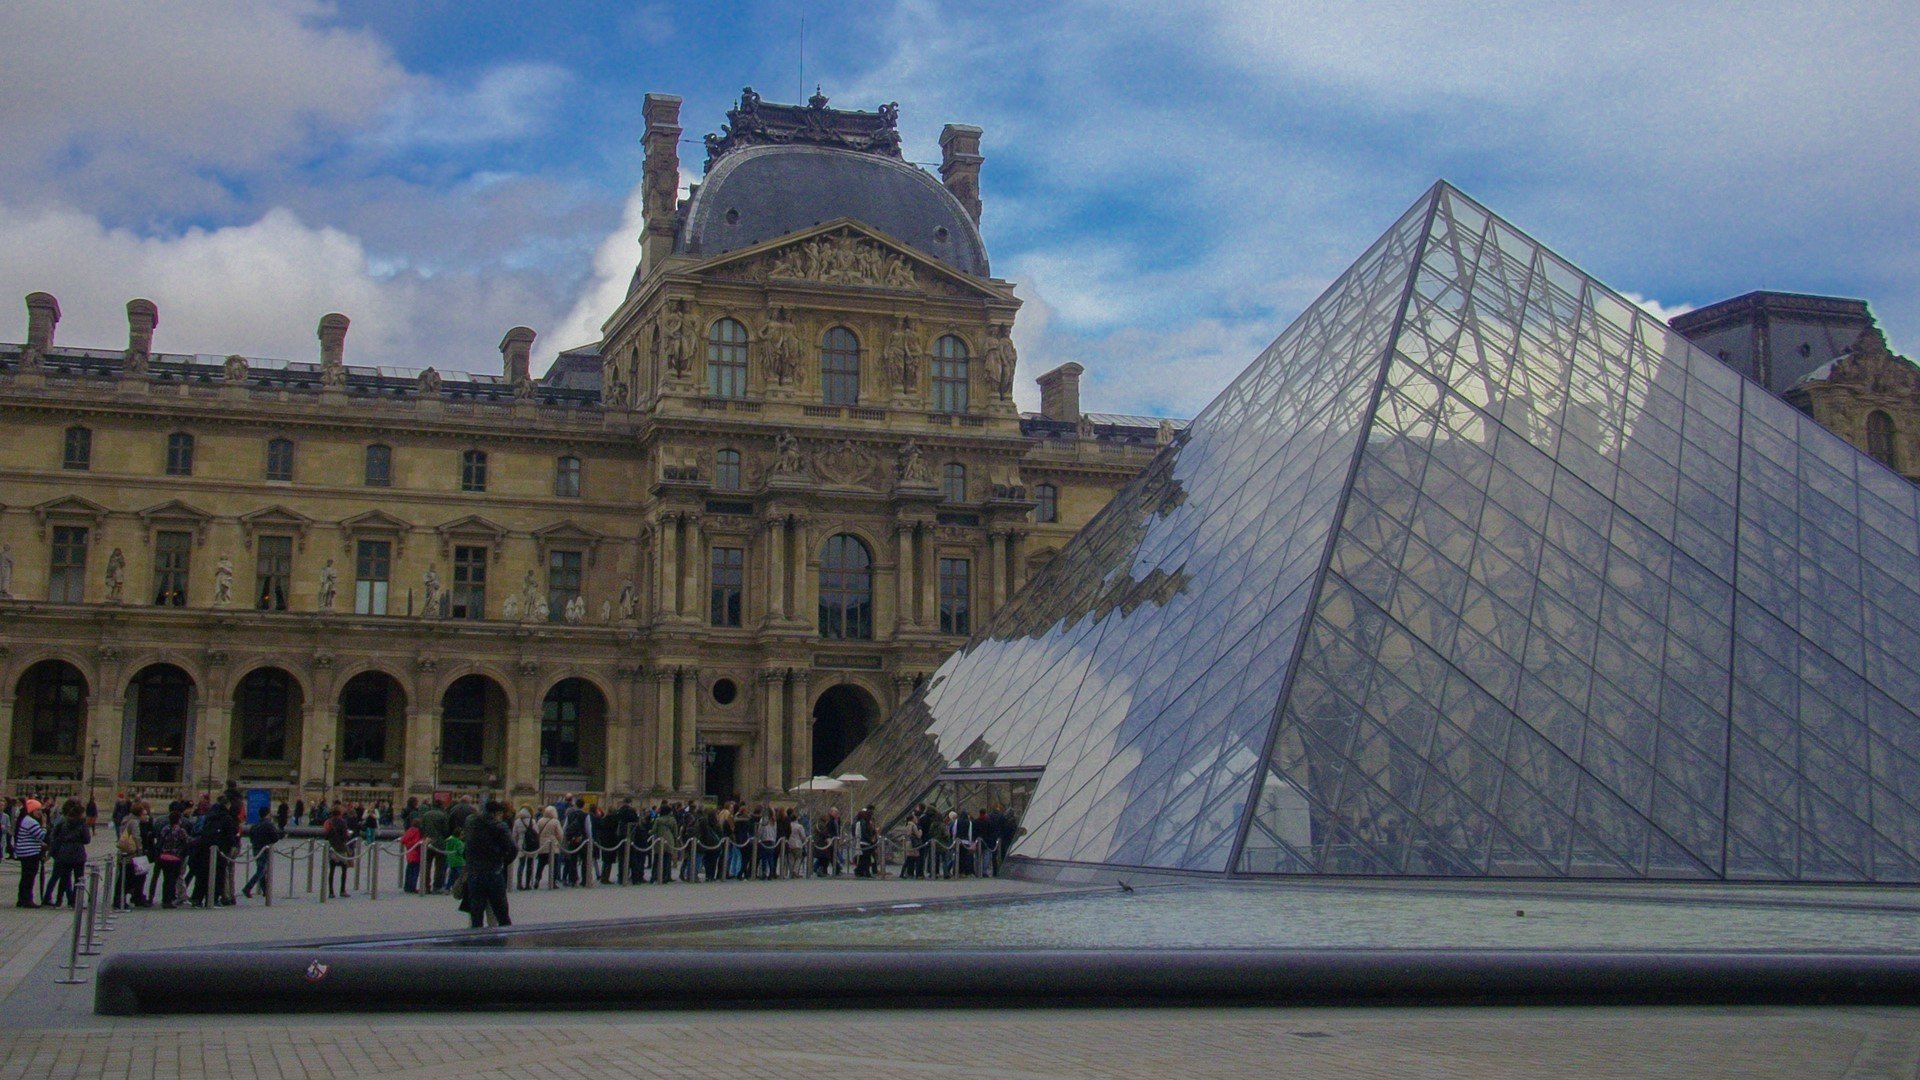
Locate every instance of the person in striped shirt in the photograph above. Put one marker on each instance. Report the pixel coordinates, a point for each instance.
(29, 846)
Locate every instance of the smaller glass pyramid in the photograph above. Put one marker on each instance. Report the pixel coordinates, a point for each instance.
(1477, 570)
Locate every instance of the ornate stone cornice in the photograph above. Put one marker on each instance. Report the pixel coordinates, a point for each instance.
(754, 122)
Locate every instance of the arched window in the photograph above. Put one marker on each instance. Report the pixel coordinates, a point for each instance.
(726, 470)
(280, 459)
(840, 367)
(473, 470)
(52, 703)
(950, 375)
(179, 454)
(1880, 438)
(1046, 503)
(727, 359)
(263, 702)
(78, 450)
(464, 711)
(953, 482)
(846, 589)
(566, 477)
(379, 471)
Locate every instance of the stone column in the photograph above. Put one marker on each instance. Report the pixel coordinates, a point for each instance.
(692, 602)
(1017, 562)
(903, 613)
(797, 729)
(107, 755)
(423, 731)
(619, 770)
(773, 730)
(928, 583)
(669, 578)
(996, 570)
(319, 728)
(683, 728)
(776, 568)
(662, 727)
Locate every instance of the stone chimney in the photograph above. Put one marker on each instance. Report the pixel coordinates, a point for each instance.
(514, 349)
(662, 178)
(43, 312)
(1060, 393)
(333, 339)
(960, 165)
(143, 316)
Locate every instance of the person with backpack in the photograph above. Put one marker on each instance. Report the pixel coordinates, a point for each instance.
(434, 828)
(172, 848)
(488, 847)
(573, 859)
(410, 853)
(29, 846)
(340, 839)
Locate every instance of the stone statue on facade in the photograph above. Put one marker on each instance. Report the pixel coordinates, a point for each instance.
(629, 600)
(333, 375)
(780, 347)
(606, 612)
(999, 361)
(523, 388)
(681, 339)
(533, 606)
(912, 465)
(430, 594)
(576, 610)
(235, 368)
(902, 357)
(329, 585)
(116, 576)
(429, 381)
(787, 460)
(510, 607)
(6, 571)
(223, 582)
(134, 362)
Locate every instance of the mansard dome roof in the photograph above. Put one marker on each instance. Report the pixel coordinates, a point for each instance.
(757, 193)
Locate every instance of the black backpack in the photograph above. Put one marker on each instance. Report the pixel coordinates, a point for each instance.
(530, 839)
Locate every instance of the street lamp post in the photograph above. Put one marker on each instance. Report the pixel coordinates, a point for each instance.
(209, 782)
(326, 773)
(436, 774)
(93, 768)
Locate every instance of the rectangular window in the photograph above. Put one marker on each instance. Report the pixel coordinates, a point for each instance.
(280, 459)
(179, 454)
(263, 717)
(67, 575)
(469, 597)
(566, 478)
(379, 465)
(274, 571)
(78, 452)
(172, 551)
(1046, 503)
(728, 584)
(563, 582)
(363, 721)
(372, 576)
(473, 471)
(560, 726)
(956, 596)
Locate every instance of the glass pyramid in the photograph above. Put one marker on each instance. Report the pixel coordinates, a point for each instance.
(1477, 570)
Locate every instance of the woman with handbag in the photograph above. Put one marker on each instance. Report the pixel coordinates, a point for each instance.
(67, 842)
(132, 882)
(29, 846)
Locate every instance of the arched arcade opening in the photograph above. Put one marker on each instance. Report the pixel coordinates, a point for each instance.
(842, 716)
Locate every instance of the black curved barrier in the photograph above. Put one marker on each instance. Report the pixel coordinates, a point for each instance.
(354, 979)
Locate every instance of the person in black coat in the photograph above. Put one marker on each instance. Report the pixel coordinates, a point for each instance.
(490, 849)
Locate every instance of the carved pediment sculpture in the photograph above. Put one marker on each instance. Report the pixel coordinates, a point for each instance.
(843, 258)
(780, 347)
(1869, 364)
(842, 463)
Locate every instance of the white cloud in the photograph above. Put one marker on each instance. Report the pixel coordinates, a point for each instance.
(506, 102)
(613, 265)
(258, 289)
(139, 103)
(1663, 312)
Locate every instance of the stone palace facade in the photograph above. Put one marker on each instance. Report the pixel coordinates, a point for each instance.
(703, 555)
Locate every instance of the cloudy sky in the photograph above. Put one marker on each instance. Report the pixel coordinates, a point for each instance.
(1167, 184)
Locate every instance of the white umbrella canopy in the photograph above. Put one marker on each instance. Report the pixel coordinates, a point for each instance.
(817, 783)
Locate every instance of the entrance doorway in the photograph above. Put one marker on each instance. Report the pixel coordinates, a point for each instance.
(720, 773)
(160, 698)
(841, 718)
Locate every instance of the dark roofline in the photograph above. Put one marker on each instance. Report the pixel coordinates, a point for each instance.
(1770, 303)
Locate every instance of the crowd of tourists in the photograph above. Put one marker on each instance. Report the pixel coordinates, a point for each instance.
(191, 853)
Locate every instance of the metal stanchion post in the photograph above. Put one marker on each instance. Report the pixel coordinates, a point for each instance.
(88, 906)
(373, 871)
(266, 881)
(73, 952)
(309, 867)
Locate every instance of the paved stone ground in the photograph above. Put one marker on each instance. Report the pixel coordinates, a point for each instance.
(50, 1030)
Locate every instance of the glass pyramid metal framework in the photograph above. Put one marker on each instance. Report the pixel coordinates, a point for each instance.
(1478, 570)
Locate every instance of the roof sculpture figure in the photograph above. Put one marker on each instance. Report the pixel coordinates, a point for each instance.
(1478, 570)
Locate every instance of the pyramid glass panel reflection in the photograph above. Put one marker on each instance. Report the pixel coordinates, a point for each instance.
(1477, 570)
